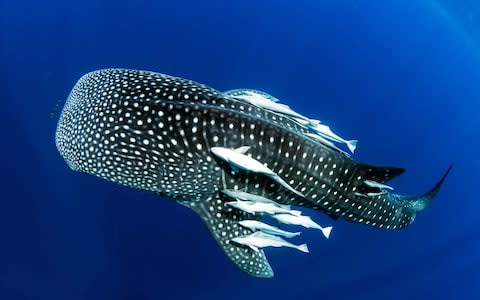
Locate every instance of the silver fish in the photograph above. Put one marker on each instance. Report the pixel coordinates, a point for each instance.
(235, 194)
(238, 160)
(262, 208)
(265, 101)
(255, 225)
(261, 240)
(155, 132)
(304, 221)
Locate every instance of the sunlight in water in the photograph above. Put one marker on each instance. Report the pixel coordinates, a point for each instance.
(460, 27)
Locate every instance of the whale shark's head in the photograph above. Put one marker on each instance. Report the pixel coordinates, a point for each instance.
(133, 128)
(89, 124)
(69, 126)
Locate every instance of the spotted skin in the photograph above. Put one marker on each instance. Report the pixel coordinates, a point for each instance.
(154, 132)
(223, 223)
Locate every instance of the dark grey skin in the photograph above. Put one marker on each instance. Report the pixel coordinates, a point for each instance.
(154, 132)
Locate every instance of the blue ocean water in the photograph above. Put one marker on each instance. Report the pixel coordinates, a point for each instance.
(402, 76)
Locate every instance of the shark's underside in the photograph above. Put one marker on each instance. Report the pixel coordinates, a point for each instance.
(190, 143)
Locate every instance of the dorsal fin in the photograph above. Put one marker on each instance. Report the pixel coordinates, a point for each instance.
(222, 221)
(377, 175)
(380, 174)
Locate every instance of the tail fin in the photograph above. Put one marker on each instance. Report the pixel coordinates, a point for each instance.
(303, 248)
(417, 204)
(352, 145)
(326, 231)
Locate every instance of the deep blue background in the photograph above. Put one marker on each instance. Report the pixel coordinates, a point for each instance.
(402, 76)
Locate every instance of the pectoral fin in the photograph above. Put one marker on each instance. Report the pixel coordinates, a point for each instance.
(222, 221)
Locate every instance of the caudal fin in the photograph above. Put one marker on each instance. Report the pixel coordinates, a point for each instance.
(417, 204)
(303, 248)
(326, 231)
(352, 145)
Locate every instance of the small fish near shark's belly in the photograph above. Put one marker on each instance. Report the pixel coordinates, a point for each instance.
(190, 143)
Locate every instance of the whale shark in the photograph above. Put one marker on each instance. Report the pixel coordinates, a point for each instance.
(189, 143)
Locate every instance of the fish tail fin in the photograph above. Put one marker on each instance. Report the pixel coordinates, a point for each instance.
(352, 145)
(303, 248)
(326, 231)
(417, 204)
(372, 201)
